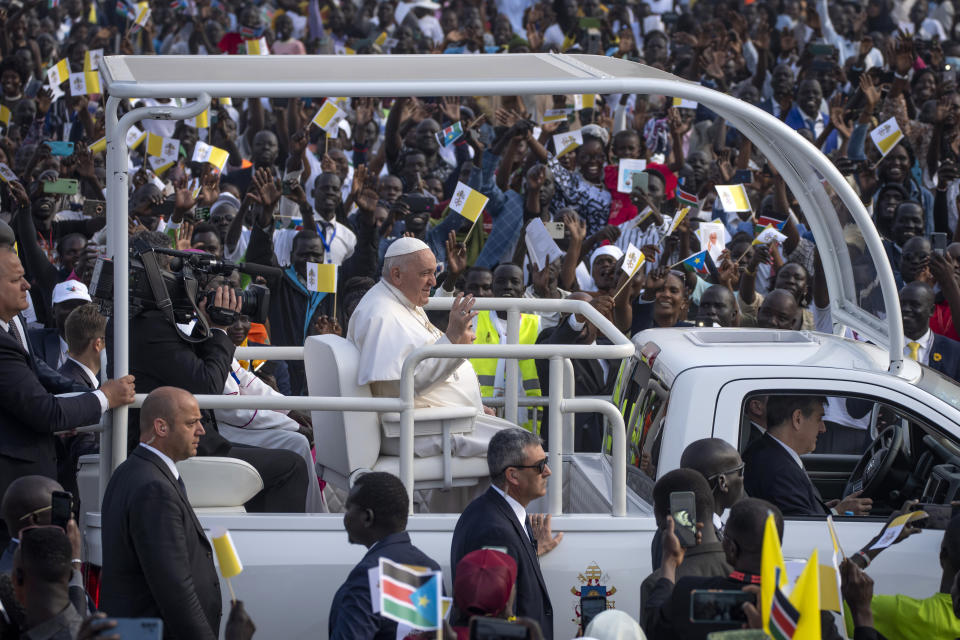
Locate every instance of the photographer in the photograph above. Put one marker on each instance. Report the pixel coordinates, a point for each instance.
(159, 356)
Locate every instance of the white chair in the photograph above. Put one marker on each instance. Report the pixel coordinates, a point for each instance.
(219, 485)
(348, 442)
(214, 485)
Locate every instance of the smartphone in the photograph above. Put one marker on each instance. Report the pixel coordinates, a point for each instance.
(591, 607)
(202, 214)
(65, 186)
(938, 240)
(719, 606)
(287, 187)
(165, 208)
(138, 628)
(590, 23)
(61, 509)
(683, 508)
(482, 628)
(417, 202)
(94, 208)
(938, 515)
(555, 229)
(821, 49)
(670, 17)
(640, 180)
(58, 148)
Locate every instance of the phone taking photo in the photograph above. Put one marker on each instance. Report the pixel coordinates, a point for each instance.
(719, 606)
(61, 505)
(683, 508)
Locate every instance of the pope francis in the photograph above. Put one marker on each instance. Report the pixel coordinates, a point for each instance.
(390, 322)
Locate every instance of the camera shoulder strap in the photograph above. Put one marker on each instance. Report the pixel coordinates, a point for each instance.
(162, 298)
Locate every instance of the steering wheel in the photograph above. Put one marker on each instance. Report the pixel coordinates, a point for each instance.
(875, 464)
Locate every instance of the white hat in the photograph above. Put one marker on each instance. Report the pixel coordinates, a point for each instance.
(403, 246)
(611, 250)
(70, 290)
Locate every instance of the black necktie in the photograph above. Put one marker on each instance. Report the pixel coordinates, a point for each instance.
(533, 541)
(183, 487)
(12, 330)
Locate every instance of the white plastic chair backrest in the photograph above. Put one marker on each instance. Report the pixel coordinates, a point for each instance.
(347, 440)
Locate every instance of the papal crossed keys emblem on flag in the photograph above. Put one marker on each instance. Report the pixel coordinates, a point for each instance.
(459, 199)
(568, 141)
(884, 130)
(168, 149)
(77, 84)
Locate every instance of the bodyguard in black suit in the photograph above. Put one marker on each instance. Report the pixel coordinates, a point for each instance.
(29, 412)
(376, 517)
(774, 471)
(157, 561)
(518, 474)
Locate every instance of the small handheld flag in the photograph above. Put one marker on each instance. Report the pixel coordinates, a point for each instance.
(584, 101)
(633, 259)
(698, 263)
(135, 137)
(773, 570)
(4, 115)
(322, 278)
(257, 47)
(468, 202)
(677, 220)
(566, 142)
(142, 16)
(227, 557)
(7, 174)
(806, 598)
(733, 197)
(216, 156)
(766, 221)
(767, 235)
(886, 136)
(683, 103)
(686, 198)
(58, 73)
(556, 115)
(784, 617)
(329, 116)
(449, 135)
(98, 145)
(410, 595)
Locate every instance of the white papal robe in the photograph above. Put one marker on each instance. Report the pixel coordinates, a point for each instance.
(386, 327)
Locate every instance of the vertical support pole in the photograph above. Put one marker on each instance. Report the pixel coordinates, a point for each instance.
(569, 393)
(511, 382)
(117, 178)
(555, 481)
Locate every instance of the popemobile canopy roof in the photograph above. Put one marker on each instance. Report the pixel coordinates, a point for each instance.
(374, 75)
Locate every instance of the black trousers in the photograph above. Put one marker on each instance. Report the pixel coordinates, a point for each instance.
(284, 475)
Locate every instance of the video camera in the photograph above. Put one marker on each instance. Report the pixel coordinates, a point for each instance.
(178, 291)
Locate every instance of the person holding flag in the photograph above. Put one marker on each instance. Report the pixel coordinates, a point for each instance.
(667, 610)
(375, 517)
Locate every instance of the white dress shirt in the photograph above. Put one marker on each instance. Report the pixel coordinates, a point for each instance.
(926, 343)
(166, 459)
(518, 509)
(5, 326)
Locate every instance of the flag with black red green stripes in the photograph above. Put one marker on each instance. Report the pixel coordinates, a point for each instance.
(410, 595)
(783, 617)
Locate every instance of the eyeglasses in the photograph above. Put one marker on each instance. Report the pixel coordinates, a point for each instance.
(737, 470)
(37, 512)
(539, 466)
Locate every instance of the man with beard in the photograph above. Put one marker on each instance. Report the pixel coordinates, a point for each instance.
(806, 114)
(491, 328)
(718, 307)
(917, 302)
(293, 308)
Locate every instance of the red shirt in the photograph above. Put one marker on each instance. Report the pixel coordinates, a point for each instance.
(941, 321)
(621, 208)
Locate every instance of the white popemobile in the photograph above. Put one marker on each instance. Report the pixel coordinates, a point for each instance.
(675, 385)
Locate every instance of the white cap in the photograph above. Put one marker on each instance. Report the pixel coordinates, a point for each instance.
(611, 250)
(70, 290)
(403, 246)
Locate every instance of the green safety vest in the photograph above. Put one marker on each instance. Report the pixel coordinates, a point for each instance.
(486, 368)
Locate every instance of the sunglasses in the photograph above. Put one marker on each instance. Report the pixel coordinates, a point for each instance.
(737, 470)
(539, 466)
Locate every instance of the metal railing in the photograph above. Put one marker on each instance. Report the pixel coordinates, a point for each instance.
(560, 400)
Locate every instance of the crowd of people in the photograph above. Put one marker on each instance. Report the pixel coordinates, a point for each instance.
(379, 193)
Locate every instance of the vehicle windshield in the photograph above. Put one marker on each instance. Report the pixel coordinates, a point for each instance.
(939, 385)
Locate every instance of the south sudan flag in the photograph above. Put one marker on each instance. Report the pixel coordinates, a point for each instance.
(410, 595)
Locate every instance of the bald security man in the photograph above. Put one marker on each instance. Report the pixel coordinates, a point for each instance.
(157, 561)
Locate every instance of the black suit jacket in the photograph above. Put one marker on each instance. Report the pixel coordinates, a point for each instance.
(157, 561)
(30, 413)
(72, 370)
(160, 357)
(771, 473)
(45, 345)
(351, 613)
(489, 521)
(949, 351)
